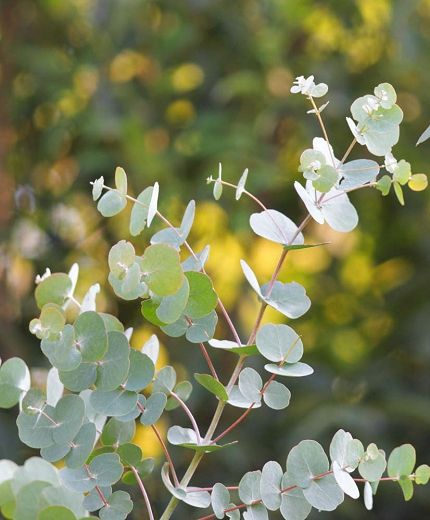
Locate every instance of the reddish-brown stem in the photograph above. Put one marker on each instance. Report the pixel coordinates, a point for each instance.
(208, 361)
(97, 488)
(165, 450)
(189, 414)
(167, 455)
(233, 425)
(144, 493)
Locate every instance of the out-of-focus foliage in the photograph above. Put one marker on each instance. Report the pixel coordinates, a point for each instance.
(169, 89)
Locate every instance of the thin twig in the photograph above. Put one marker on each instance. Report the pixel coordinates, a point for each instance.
(190, 415)
(144, 493)
(167, 455)
(208, 361)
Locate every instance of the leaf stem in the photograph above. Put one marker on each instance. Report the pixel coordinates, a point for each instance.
(208, 361)
(323, 128)
(144, 493)
(190, 415)
(164, 448)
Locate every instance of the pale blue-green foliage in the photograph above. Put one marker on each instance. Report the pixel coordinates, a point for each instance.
(312, 481)
(110, 386)
(288, 298)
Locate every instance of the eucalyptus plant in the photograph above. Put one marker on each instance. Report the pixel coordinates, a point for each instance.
(98, 386)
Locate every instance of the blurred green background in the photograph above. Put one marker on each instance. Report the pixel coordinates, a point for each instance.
(166, 90)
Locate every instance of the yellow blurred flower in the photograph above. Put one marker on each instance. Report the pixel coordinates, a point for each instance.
(180, 112)
(127, 65)
(187, 76)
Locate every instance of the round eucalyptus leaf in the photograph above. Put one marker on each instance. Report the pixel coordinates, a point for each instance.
(289, 299)
(162, 269)
(56, 513)
(256, 512)
(62, 352)
(139, 212)
(111, 203)
(30, 501)
(165, 380)
(55, 452)
(82, 446)
(53, 289)
(220, 499)
(130, 454)
(113, 369)
(277, 396)
(171, 307)
(117, 432)
(91, 337)
(294, 505)
(290, 370)
(120, 505)
(250, 384)
(237, 399)
(154, 407)
(93, 501)
(149, 309)
(345, 481)
(36, 430)
(324, 494)
(202, 298)
(114, 403)
(80, 378)
(77, 479)
(111, 322)
(202, 329)
(58, 495)
(69, 415)
(249, 487)
(346, 451)
(141, 371)
(357, 173)
(270, 485)
(135, 412)
(177, 436)
(373, 468)
(106, 469)
(275, 226)
(306, 460)
(401, 462)
(279, 343)
(45, 472)
(14, 382)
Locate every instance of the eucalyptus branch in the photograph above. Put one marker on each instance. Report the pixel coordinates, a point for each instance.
(292, 488)
(192, 253)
